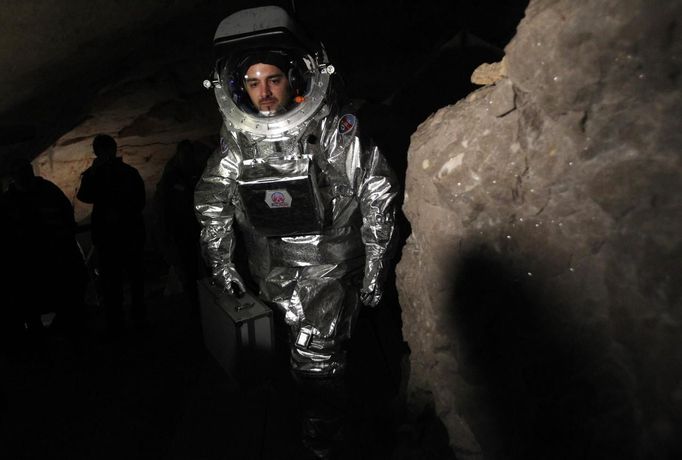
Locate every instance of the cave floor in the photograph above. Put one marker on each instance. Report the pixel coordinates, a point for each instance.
(152, 393)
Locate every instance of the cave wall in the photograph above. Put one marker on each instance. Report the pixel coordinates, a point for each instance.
(540, 287)
(46, 44)
(148, 111)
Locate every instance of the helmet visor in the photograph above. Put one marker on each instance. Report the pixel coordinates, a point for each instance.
(266, 82)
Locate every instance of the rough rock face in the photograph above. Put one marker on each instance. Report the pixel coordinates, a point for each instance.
(540, 287)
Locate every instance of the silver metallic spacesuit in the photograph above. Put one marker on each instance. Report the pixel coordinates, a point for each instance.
(314, 202)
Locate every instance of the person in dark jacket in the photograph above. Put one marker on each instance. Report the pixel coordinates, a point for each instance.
(178, 226)
(117, 193)
(39, 232)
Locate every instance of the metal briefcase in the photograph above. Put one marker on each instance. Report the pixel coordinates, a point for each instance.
(237, 332)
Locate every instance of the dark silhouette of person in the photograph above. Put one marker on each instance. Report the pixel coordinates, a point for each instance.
(47, 271)
(177, 222)
(116, 191)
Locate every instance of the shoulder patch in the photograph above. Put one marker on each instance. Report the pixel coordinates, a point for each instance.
(347, 123)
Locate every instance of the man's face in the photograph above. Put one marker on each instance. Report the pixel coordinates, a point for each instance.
(267, 87)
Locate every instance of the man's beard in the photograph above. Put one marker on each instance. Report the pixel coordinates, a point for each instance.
(271, 109)
(273, 105)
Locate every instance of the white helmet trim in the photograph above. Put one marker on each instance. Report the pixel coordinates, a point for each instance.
(273, 127)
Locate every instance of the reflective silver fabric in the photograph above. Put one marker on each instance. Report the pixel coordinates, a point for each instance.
(280, 195)
(314, 279)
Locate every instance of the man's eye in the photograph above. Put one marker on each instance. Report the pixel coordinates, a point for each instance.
(253, 84)
(275, 81)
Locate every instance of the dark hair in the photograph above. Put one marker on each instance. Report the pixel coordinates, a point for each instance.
(104, 145)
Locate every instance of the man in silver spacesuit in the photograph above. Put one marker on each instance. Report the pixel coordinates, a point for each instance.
(313, 200)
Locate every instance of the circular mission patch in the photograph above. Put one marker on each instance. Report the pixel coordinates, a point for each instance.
(347, 123)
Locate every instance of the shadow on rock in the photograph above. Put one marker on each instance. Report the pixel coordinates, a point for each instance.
(544, 382)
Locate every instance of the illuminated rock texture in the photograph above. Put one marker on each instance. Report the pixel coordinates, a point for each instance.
(147, 113)
(541, 284)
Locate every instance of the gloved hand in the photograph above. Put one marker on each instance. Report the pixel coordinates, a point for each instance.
(230, 280)
(370, 297)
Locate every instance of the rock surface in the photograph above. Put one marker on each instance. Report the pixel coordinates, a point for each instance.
(148, 112)
(540, 287)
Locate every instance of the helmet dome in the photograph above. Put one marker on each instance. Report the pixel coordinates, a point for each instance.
(269, 77)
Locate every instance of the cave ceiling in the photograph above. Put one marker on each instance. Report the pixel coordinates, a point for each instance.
(61, 60)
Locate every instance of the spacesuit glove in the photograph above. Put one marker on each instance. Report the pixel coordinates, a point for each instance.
(370, 297)
(231, 282)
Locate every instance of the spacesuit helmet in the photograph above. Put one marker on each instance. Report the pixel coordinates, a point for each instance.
(269, 76)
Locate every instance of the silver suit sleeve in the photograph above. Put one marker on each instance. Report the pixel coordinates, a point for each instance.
(214, 202)
(377, 191)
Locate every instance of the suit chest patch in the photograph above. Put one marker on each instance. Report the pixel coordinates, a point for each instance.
(347, 123)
